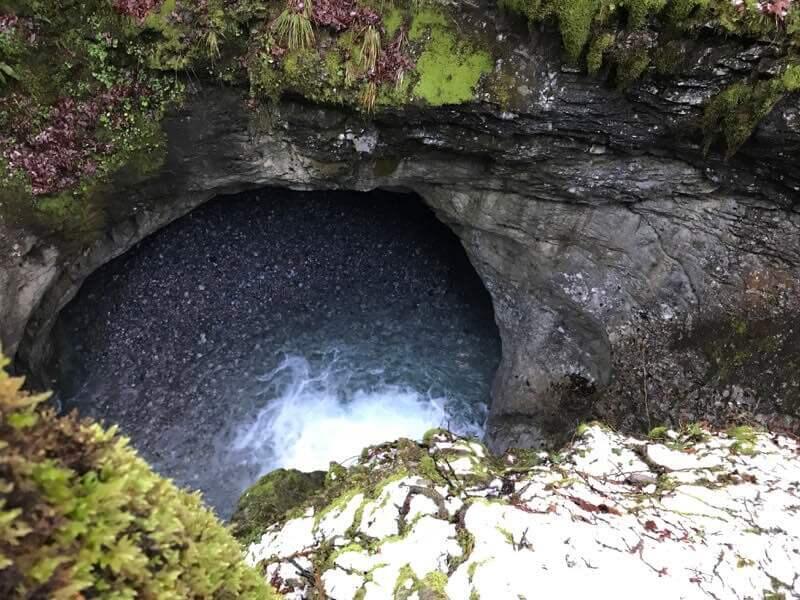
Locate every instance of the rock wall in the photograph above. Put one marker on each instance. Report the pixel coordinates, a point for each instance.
(632, 276)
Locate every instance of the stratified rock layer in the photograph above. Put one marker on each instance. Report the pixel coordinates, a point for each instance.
(692, 515)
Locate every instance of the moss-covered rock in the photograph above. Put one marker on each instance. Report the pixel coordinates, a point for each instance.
(82, 516)
(270, 498)
(561, 522)
(449, 68)
(611, 33)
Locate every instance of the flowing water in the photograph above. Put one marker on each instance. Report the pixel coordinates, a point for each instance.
(281, 329)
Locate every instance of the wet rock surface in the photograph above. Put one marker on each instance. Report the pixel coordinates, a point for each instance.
(173, 341)
(695, 514)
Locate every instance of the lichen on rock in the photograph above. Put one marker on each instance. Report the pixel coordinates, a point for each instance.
(686, 515)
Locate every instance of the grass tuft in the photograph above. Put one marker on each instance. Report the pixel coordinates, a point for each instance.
(294, 29)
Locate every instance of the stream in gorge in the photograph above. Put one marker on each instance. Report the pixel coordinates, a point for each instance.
(280, 329)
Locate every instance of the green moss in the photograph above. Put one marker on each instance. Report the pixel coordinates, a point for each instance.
(425, 19)
(631, 64)
(523, 460)
(735, 112)
(392, 20)
(791, 78)
(597, 49)
(169, 50)
(575, 22)
(408, 585)
(74, 214)
(428, 469)
(658, 433)
(434, 586)
(449, 69)
(338, 504)
(409, 451)
(81, 515)
(694, 433)
(679, 12)
(467, 543)
(402, 589)
(665, 483)
(314, 76)
(669, 59)
(639, 11)
(331, 559)
(269, 499)
(506, 535)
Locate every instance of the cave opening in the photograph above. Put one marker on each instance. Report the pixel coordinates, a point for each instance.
(275, 328)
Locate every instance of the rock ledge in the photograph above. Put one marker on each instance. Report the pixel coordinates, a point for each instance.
(695, 514)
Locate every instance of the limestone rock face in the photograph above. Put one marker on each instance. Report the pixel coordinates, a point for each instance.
(633, 277)
(693, 515)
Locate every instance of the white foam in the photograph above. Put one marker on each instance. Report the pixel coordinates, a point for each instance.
(316, 418)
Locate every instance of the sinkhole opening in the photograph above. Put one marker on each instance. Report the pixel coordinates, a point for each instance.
(280, 329)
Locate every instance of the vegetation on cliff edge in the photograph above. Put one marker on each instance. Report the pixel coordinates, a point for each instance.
(84, 84)
(82, 516)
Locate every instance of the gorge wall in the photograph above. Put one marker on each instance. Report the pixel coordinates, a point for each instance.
(633, 276)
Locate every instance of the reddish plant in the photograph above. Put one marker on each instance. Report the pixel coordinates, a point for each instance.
(393, 62)
(776, 8)
(343, 14)
(336, 14)
(59, 154)
(136, 9)
(8, 22)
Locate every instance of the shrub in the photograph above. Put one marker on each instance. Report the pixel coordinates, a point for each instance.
(82, 516)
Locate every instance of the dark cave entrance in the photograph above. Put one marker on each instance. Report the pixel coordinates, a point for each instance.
(276, 328)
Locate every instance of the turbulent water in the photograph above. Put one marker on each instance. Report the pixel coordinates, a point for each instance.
(319, 414)
(280, 329)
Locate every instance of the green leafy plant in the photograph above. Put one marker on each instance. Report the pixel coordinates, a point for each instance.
(7, 73)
